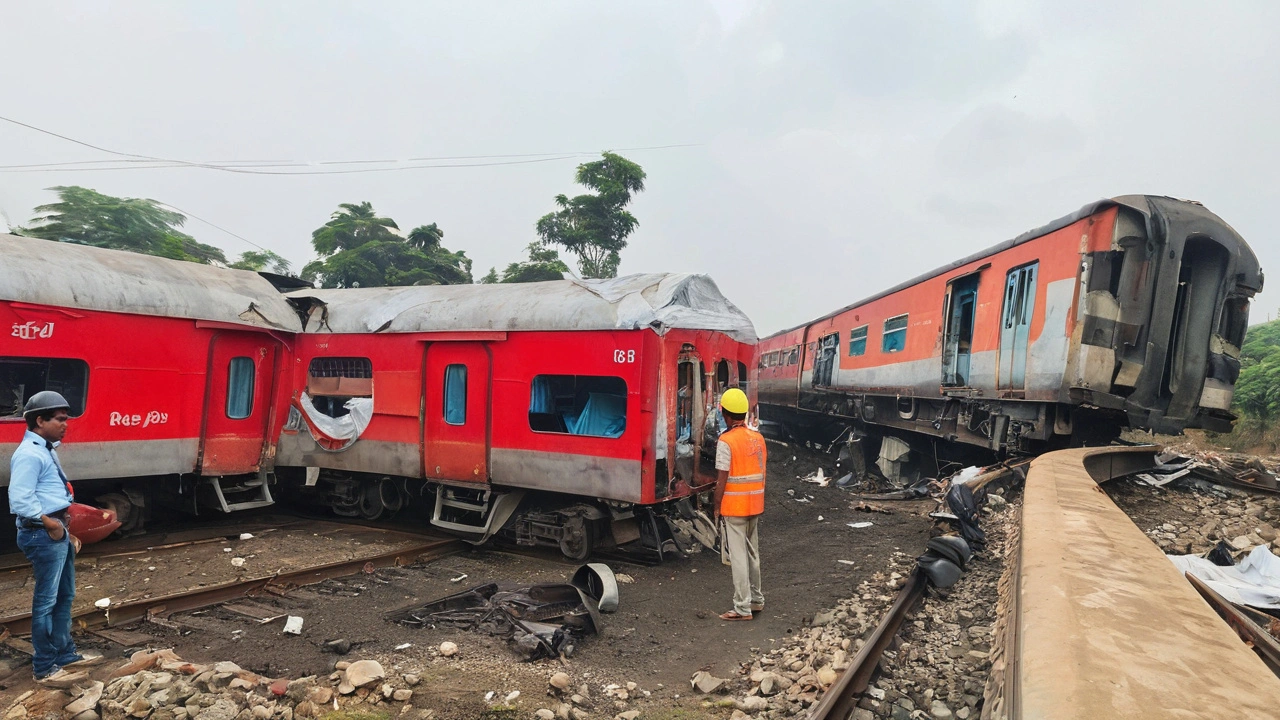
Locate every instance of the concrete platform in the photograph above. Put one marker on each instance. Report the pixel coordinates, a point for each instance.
(1107, 627)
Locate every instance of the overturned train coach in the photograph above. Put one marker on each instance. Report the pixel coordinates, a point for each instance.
(1127, 313)
(568, 413)
(170, 369)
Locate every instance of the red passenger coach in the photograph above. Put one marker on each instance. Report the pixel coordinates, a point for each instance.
(170, 368)
(569, 413)
(1128, 313)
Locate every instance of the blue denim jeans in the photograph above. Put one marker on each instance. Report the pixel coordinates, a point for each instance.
(53, 567)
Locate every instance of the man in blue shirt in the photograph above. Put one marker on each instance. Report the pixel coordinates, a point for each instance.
(39, 495)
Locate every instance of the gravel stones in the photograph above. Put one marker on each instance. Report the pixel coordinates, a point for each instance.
(448, 649)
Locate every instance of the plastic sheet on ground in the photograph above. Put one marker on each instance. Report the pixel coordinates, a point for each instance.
(1254, 581)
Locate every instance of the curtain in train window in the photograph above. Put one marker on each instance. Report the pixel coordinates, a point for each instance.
(895, 334)
(455, 394)
(578, 405)
(240, 388)
(858, 341)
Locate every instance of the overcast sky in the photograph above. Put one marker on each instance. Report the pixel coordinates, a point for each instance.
(838, 147)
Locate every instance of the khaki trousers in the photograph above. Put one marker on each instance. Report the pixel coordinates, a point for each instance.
(744, 558)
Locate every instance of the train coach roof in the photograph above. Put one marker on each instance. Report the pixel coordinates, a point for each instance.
(44, 272)
(1136, 202)
(658, 301)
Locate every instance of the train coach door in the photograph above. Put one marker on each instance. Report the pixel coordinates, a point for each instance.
(456, 442)
(957, 341)
(1015, 326)
(238, 393)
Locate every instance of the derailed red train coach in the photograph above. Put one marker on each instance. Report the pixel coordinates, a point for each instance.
(569, 413)
(1127, 313)
(170, 368)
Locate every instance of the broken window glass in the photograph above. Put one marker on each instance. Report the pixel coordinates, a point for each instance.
(858, 341)
(20, 378)
(332, 381)
(455, 394)
(240, 379)
(578, 405)
(895, 334)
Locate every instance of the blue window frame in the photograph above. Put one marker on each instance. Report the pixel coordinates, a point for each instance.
(858, 341)
(455, 394)
(240, 381)
(895, 334)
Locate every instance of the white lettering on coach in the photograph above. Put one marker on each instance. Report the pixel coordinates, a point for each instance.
(624, 356)
(33, 330)
(155, 417)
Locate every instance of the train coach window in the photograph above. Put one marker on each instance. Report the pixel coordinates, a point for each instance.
(858, 341)
(578, 405)
(455, 394)
(895, 334)
(332, 381)
(794, 356)
(743, 382)
(22, 377)
(240, 380)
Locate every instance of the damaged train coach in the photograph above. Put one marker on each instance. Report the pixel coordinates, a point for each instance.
(1129, 313)
(170, 369)
(572, 413)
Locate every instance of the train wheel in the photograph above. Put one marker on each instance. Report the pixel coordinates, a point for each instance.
(577, 541)
(371, 507)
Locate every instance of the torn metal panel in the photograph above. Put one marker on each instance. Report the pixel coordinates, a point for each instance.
(658, 301)
(541, 620)
(92, 278)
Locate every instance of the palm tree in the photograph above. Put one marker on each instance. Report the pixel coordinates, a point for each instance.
(350, 227)
(426, 237)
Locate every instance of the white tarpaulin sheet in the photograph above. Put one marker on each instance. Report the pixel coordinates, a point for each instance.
(44, 272)
(348, 427)
(1254, 581)
(658, 301)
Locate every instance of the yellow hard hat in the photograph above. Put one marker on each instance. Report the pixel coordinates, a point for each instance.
(735, 401)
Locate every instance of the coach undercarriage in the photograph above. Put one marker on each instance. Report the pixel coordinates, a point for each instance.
(574, 526)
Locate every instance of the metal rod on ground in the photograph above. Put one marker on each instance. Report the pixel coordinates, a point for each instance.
(1262, 642)
(842, 697)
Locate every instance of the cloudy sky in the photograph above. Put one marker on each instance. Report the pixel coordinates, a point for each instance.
(835, 148)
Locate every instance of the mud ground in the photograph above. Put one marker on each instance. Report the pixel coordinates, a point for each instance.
(666, 627)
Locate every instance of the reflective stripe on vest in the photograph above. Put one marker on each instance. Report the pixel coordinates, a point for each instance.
(744, 491)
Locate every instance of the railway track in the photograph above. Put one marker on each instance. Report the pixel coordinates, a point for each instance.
(1094, 620)
(409, 547)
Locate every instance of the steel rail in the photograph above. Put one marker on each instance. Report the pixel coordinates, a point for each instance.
(1256, 637)
(841, 699)
(135, 610)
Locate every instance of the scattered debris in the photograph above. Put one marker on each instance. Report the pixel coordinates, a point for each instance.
(404, 646)
(293, 625)
(540, 620)
(817, 478)
(448, 649)
(246, 536)
(859, 525)
(458, 579)
(237, 561)
(102, 604)
(1254, 581)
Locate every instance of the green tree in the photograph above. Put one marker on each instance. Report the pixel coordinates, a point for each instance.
(140, 225)
(595, 226)
(259, 261)
(357, 248)
(1257, 397)
(543, 264)
(490, 277)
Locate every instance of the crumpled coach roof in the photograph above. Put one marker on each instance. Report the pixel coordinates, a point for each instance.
(660, 301)
(44, 272)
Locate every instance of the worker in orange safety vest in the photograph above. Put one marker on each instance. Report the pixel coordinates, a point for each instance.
(739, 501)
